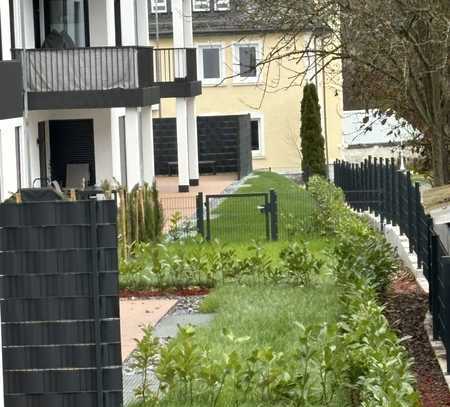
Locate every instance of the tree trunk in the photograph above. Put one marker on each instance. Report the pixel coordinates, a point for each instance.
(440, 158)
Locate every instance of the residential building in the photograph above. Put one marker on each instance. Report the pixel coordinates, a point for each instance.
(228, 52)
(79, 80)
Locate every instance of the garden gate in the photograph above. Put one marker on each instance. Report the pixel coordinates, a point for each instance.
(237, 217)
(59, 299)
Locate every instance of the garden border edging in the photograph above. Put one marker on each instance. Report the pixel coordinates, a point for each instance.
(401, 243)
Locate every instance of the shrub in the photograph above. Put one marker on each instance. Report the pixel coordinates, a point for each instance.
(140, 217)
(330, 208)
(184, 265)
(189, 373)
(299, 265)
(312, 141)
(378, 365)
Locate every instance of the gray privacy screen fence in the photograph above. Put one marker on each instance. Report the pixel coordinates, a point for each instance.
(60, 305)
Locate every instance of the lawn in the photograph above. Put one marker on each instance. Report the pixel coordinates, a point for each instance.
(266, 315)
(241, 219)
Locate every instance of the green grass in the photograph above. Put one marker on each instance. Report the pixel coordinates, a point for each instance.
(240, 219)
(267, 315)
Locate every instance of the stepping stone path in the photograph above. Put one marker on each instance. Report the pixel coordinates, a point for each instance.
(184, 313)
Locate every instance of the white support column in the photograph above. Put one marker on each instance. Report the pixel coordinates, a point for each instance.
(182, 145)
(133, 147)
(191, 121)
(147, 144)
(188, 31)
(178, 23)
(142, 23)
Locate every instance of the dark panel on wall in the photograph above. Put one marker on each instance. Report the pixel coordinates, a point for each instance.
(11, 85)
(245, 146)
(87, 99)
(218, 140)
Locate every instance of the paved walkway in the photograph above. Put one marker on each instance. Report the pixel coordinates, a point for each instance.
(135, 315)
(209, 184)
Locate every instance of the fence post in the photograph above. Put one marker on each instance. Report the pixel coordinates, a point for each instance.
(445, 277)
(410, 212)
(200, 214)
(208, 221)
(433, 279)
(273, 215)
(96, 301)
(417, 224)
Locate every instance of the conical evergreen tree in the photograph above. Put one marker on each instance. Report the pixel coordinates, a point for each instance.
(312, 141)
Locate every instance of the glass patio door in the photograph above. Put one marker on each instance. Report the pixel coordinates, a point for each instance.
(67, 18)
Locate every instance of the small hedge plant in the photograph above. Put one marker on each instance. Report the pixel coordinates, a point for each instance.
(167, 266)
(378, 366)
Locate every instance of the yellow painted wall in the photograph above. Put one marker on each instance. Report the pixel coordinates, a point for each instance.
(276, 97)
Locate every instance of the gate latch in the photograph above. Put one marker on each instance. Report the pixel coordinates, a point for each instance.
(265, 208)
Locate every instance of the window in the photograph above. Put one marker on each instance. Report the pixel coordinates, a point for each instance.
(67, 19)
(201, 5)
(256, 135)
(211, 64)
(246, 59)
(222, 5)
(159, 6)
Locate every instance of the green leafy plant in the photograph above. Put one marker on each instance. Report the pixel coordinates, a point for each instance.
(146, 350)
(299, 265)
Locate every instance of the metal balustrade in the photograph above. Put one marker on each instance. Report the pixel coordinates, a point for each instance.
(104, 68)
(175, 64)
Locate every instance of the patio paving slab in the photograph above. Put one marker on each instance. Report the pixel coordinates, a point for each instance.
(135, 315)
(168, 327)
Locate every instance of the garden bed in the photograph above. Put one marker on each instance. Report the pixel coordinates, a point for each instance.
(297, 323)
(406, 307)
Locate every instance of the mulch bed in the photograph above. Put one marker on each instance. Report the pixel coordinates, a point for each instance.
(191, 292)
(406, 307)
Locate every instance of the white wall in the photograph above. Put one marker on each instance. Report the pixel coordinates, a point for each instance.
(102, 24)
(6, 33)
(8, 159)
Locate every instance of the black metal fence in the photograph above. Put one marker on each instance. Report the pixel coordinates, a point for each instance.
(380, 187)
(60, 305)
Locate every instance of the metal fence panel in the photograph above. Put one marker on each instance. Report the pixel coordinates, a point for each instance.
(400, 204)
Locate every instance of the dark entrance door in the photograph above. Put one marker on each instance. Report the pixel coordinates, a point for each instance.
(71, 142)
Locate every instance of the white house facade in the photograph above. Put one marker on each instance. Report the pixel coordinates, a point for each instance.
(79, 79)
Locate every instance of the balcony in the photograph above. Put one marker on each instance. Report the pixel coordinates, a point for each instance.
(100, 77)
(176, 72)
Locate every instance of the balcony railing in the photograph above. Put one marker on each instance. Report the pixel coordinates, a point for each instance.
(175, 64)
(87, 69)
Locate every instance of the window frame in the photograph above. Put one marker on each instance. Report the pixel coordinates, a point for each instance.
(211, 81)
(245, 80)
(201, 10)
(260, 153)
(221, 9)
(153, 5)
